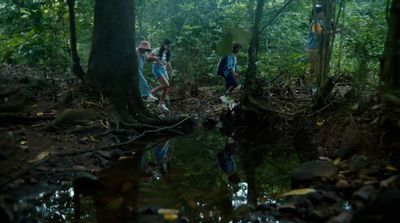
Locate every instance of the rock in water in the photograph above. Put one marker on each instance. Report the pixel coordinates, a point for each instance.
(309, 171)
(384, 209)
(358, 162)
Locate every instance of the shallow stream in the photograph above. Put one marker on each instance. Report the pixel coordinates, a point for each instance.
(201, 177)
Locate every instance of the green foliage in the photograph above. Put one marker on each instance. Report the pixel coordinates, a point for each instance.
(36, 32)
(364, 32)
(33, 34)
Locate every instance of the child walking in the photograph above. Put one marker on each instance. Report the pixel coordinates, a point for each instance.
(142, 56)
(161, 68)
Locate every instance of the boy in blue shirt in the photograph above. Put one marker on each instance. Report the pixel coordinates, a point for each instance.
(230, 74)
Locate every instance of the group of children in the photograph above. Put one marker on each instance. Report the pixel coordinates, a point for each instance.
(161, 69)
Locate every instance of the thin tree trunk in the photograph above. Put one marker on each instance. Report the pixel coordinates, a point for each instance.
(250, 10)
(76, 64)
(253, 48)
(391, 65)
(327, 45)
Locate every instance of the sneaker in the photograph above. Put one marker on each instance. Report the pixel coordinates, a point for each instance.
(162, 108)
(151, 98)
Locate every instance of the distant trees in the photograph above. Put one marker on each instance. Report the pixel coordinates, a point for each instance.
(37, 33)
(76, 63)
(254, 46)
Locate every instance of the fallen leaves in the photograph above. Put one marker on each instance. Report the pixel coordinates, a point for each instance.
(302, 191)
(169, 214)
(39, 157)
(391, 168)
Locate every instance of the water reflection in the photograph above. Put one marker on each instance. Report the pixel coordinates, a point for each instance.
(160, 165)
(204, 178)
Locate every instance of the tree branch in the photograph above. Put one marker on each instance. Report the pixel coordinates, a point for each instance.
(276, 15)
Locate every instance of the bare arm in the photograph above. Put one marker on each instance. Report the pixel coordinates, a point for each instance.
(151, 57)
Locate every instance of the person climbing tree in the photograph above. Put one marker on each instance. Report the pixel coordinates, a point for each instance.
(161, 70)
(142, 56)
(315, 43)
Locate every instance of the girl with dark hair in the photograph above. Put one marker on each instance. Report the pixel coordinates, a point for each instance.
(161, 70)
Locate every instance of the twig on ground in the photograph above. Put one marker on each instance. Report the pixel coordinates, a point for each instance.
(323, 108)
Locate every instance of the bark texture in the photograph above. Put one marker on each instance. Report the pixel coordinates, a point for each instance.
(113, 67)
(391, 66)
(253, 48)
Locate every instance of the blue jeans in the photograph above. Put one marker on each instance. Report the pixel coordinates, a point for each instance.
(143, 85)
(230, 81)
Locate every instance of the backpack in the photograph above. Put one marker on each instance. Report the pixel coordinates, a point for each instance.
(221, 65)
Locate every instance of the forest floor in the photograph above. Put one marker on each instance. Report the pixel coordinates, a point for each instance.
(352, 145)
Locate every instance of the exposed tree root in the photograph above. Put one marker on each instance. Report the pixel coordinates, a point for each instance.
(392, 99)
(72, 117)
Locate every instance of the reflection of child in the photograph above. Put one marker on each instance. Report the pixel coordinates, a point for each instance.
(226, 162)
(162, 159)
(159, 166)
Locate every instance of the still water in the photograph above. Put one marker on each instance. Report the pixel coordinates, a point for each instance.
(202, 177)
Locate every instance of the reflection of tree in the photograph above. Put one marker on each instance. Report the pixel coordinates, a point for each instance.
(254, 159)
(249, 165)
(117, 199)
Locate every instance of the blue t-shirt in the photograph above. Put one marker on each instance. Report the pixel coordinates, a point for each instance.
(230, 64)
(314, 39)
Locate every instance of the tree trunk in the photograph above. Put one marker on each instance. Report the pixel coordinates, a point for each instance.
(327, 45)
(253, 48)
(250, 10)
(76, 64)
(113, 68)
(391, 65)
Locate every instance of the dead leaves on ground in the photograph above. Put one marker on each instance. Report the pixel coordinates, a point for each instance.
(39, 156)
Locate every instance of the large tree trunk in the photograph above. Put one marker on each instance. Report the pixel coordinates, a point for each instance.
(76, 64)
(113, 66)
(391, 65)
(253, 49)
